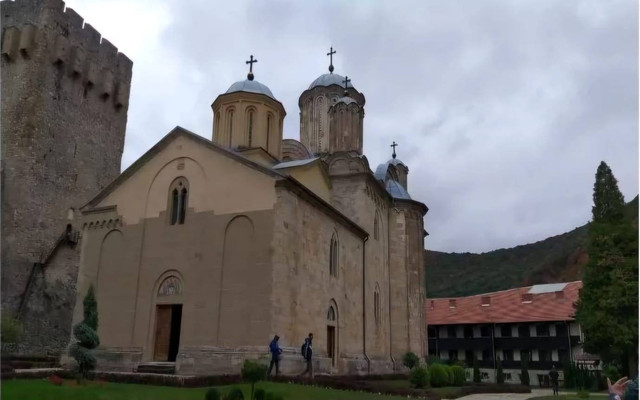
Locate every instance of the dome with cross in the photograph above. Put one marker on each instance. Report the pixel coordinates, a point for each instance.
(328, 80)
(250, 86)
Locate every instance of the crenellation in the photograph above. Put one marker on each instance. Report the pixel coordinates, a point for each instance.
(27, 39)
(93, 37)
(10, 41)
(74, 22)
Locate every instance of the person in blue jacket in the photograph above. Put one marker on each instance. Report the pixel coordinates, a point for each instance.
(276, 352)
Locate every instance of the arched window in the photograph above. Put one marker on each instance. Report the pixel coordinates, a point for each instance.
(331, 314)
(376, 304)
(333, 256)
(216, 133)
(376, 227)
(230, 125)
(269, 119)
(332, 333)
(250, 113)
(171, 286)
(179, 200)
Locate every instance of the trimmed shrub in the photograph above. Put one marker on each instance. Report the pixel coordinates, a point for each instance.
(253, 372)
(438, 375)
(476, 370)
(260, 394)
(583, 394)
(86, 336)
(234, 394)
(410, 360)
(449, 369)
(500, 373)
(419, 377)
(458, 375)
(212, 394)
(10, 328)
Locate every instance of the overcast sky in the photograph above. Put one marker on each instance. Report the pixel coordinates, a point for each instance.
(502, 109)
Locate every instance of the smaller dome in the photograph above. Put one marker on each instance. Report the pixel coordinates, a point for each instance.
(396, 190)
(346, 100)
(251, 87)
(396, 161)
(328, 80)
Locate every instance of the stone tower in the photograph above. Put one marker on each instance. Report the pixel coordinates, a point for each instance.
(65, 95)
(323, 115)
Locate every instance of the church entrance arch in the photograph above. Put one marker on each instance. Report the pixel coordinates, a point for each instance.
(168, 319)
(332, 333)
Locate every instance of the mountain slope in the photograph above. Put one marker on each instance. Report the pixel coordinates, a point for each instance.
(556, 259)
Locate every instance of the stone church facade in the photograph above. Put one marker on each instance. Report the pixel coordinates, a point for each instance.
(203, 249)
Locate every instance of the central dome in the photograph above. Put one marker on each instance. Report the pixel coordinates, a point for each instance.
(251, 87)
(329, 79)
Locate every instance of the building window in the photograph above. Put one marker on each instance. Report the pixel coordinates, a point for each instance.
(507, 355)
(468, 355)
(375, 227)
(249, 127)
(376, 304)
(468, 332)
(217, 126)
(484, 376)
(525, 355)
(542, 330)
(230, 126)
(269, 119)
(333, 256)
(451, 331)
(432, 351)
(486, 355)
(544, 355)
(563, 356)
(331, 314)
(453, 354)
(485, 331)
(561, 330)
(523, 331)
(432, 332)
(179, 197)
(507, 376)
(505, 331)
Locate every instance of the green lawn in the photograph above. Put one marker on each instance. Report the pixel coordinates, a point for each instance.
(34, 389)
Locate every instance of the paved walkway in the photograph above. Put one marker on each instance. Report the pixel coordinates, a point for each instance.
(509, 396)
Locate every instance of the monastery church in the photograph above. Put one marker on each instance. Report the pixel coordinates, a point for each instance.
(203, 250)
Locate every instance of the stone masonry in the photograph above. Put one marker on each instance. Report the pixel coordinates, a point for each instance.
(65, 95)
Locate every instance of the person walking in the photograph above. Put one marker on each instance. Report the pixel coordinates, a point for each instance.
(276, 352)
(307, 353)
(553, 374)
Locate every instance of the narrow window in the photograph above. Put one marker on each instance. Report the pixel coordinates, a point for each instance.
(375, 228)
(268, 129)
(183, 205)
(230, 118)
(249, 127)
(174, 206)
(333, 257)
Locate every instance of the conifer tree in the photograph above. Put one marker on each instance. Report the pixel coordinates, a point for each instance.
(500, 373)
(607, 309)
(87, 336)
(476, 370)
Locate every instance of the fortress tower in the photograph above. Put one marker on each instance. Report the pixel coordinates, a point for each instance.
(65, 95)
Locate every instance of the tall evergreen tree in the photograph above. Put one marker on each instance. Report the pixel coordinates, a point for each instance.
(607, 308)
(87, 337)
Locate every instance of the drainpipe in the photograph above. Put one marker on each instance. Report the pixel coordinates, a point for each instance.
(493, 349)
(364, 313)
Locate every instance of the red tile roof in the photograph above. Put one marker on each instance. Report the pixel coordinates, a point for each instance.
(512, 305)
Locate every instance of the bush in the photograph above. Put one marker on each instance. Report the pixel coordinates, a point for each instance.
(11, 328)
(410, 360)
(253, 372)
(500, 373)
(449, 370)
(583, 394)
(55, 380)
(438, 375)
(234, 394)
(476, 370)
(458, 375)
(260, 394)
(212, 394)
(420, 377)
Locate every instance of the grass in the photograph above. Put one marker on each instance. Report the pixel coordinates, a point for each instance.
(33, 389)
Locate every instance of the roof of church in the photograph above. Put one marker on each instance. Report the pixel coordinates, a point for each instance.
(524, 304)
(251, 86)
(329, 79)
(396, 190)
(294, 163)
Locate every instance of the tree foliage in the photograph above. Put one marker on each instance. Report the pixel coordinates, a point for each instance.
(524, 371)
(11, 328)
(476, 370)
(438, 375)
(86, 336)
(410, 360)
(500, 373)
(607, 309)
(420, 376)
(253, 372)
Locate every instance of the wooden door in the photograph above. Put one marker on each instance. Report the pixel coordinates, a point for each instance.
(163, 333)
(331, 344)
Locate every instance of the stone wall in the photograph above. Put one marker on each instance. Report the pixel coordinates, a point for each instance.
(65, 95)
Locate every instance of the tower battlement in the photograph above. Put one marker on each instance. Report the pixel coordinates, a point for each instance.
(45, 29)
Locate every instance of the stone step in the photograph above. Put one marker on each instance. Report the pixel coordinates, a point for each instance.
(165, 368)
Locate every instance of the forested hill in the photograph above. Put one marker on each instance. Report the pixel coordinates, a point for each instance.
(556, 259)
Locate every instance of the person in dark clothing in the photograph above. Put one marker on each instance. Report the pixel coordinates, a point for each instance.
(275, 351)
(307, 353)
(553, 374)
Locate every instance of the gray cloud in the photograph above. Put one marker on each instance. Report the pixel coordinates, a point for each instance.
(503, 109)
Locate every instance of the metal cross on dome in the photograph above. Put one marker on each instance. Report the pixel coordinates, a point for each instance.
(394, 145)
(330, 54)
(250, 62)
(346, 82)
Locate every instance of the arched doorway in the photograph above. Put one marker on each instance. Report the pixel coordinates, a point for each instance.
(168, 319)
(332, 334)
